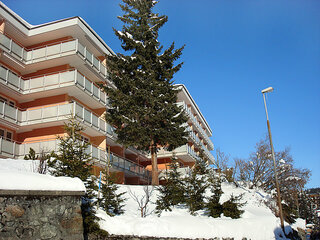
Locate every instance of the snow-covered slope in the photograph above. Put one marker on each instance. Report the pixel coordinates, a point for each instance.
(257, 222)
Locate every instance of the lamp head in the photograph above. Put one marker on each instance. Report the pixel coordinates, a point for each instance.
(269, 89)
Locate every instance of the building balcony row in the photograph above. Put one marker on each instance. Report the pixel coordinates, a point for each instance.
(52, 52)
(185, 153)
(195, 123)
(100, 156)
(54, 116)
(70, 82)
(199, 144)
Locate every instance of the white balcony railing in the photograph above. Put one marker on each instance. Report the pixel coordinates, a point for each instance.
(183, 150)
(51, 81)
(13, 149)
(193, 136)
(55, 113)
(47, 52)
(207, 153)
(196, 124)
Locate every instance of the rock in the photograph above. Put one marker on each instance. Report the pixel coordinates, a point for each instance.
(15, 210)
(43, 219)
(48, 231)
(73, 225)
(27, 233)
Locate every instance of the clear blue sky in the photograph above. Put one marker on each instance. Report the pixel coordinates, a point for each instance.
(234, 49)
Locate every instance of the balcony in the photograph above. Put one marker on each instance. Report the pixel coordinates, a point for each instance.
(56, 115)
(53, 51)
(196, 124)
(53, 84)
(193, 136)
(185, 152)
(14, 150)
(128, 166)
(208, 154)
(198, 143)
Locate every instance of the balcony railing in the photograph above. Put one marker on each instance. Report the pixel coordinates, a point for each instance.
(129, 166)
(13, 149)
(55, 113)
(196, 123)
(207, 153)
(51, 81)
(47, 52)
(9, 113)
(197, 141)
(8, 148)
(183, 150)
(186, 149)
(193, 136)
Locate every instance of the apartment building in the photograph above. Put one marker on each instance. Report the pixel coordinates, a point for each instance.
(199, 137)
(50, 72)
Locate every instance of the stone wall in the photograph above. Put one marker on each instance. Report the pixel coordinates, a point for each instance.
(129, 237)
(40, 215)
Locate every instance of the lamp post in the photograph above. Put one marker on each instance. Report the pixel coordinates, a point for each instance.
(267, 90)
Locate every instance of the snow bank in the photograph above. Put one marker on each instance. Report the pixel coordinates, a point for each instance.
(257, 222)
(20, 175)
(19, 165)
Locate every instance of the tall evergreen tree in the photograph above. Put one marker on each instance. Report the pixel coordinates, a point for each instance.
(143, 105)
(172, 192)
(74, 160)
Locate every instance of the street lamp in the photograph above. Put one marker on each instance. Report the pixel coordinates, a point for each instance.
(267, 90)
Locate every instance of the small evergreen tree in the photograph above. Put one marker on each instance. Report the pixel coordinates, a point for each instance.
(31, 155)
(196, 185)
(213, 206)
(231, 207)
(111, 201)
(306, 210)
(290, 214)
(74, 160)
(171, 193)
(143, 105)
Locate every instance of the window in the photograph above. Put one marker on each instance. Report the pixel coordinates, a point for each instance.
(12, 104)
(5, 134)
(2, 99)
(9, 102)
(1, 133)
(9, 136)
(84, 139)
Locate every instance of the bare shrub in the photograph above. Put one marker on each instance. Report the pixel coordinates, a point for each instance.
(143, 200)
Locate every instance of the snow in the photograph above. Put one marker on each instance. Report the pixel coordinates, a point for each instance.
(130, 37)
(21, 175)
(282, 161)
(257, 222)
(293, 178)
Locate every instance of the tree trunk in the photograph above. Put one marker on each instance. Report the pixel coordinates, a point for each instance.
(154, 162)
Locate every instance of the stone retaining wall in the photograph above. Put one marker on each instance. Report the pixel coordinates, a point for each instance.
(128, 237)
(40, 215)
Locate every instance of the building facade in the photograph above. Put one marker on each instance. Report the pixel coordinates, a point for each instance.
(50, 72)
